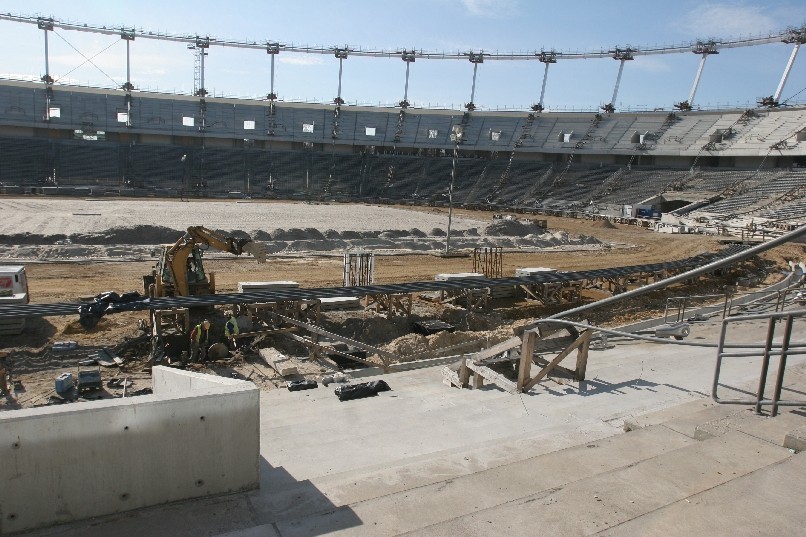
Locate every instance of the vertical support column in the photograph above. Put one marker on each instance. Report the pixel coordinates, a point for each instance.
(697, 80)
(546, 58)
(475, 59)
(272, 49)
(705, 49)
(785, 76)
(527, 351)
(622, 56)
(201, 46)
(128, 36)
(407, 57)
(341, 54)
(618, 82)
(46, 25)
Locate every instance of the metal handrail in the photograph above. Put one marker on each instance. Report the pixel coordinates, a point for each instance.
(783, 350)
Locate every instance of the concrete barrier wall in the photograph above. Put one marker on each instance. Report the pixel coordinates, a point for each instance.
(197, 435)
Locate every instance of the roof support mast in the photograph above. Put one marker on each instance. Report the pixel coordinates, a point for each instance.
(341, 54)
(547, 58)
(46, 25)
(796, 36)
(475, 59)
(705, 49)
(408, 57)
(272, 49)
(622, 56)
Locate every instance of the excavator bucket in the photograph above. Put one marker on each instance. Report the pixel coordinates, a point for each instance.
(257, 249)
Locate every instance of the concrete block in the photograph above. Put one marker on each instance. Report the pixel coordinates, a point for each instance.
(796, 439)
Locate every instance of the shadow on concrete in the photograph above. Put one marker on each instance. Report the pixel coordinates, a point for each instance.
(594, 387)
(296, 507)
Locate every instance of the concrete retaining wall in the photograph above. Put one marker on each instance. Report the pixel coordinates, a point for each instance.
(197, 435)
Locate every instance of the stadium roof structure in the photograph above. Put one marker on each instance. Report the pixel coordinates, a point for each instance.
(795, 36)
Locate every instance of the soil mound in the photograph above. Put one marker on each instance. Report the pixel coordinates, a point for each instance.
(511, 228)
(604, 224)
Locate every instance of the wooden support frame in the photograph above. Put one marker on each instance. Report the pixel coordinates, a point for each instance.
(177, 319)
(580, 344)
(391, 304)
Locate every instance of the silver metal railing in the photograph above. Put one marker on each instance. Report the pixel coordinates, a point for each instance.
(783, 349)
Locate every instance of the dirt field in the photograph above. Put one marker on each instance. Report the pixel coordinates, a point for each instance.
(34, 363)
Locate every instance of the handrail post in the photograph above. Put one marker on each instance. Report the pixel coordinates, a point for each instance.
(779, 380)
(765, 365)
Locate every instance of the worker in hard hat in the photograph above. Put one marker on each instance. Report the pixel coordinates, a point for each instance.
(199, 339)
(231, 330)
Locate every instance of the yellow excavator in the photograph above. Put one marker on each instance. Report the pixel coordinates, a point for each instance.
(179, 270)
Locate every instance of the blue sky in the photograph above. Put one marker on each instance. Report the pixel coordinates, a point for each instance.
(735, 76)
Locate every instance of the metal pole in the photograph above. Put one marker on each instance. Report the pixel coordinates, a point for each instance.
(338, 94)
(406, 88)
(779, 379)
(202, 91)
(786, 73)
(618, 82)
(473, 89)
(543, 88)
(686, 275)
(128, 67)
(765, 365)
(47, 66)
(271, 89)
(450, 200)
(697, 80)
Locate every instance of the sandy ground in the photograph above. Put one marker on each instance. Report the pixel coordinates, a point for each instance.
(36, 364)
(50, 216)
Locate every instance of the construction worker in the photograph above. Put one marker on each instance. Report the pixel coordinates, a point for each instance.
(231, 330)
(199, 339)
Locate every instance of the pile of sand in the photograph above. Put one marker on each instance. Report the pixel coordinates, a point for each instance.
(604, 224)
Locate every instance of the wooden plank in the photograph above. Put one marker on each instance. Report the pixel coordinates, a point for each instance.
(582, 355)
(279, 362)
(493, 376)
(527, 352)
(451, 377)
(496, 349)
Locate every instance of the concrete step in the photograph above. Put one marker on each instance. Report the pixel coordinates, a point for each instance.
(609, 498)
(385, 511)
(768, 501)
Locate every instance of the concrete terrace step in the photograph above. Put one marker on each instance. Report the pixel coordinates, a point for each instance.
(609, 498)
(456, 497)
(768, 501)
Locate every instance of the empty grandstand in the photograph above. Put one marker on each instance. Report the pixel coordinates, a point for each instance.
(63, 140)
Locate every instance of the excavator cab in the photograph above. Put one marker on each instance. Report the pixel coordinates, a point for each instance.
(180, 271)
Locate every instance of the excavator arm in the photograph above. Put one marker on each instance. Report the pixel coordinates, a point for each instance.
(183, 261)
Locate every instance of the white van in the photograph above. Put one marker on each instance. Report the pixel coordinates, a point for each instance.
(13, 290)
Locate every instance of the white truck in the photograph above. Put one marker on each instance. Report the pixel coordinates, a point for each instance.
(13, 290)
